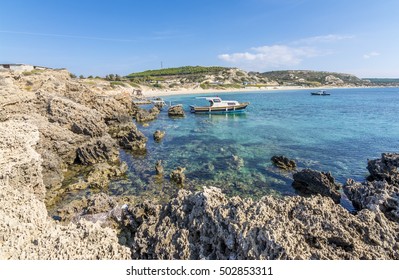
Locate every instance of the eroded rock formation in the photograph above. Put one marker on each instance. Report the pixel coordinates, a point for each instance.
(208, 225)
(381, 192)
(26, 230)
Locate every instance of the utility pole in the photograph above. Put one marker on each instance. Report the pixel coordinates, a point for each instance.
(161, 65)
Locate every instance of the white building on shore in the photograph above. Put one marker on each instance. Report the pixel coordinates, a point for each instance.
(21, 67)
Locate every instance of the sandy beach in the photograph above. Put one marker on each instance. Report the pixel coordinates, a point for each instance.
(157, 93)
(149, 92)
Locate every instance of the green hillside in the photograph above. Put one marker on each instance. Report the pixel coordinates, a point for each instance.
(313, 78)
(185, 70)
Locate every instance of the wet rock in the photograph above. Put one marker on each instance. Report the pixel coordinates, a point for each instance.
(176, 111)
(158, 135)
(385, 168)
(159, 167)
(97, 150)
(177, 176)
(311, 182)
(283, 162)
(209, 225)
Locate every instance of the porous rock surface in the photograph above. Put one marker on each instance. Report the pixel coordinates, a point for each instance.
(381, 192)
(26, 231)
(208, 225)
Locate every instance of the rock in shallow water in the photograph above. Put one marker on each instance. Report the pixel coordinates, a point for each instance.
(283, 162)
(176, 111)
(159, 167)
(311, 182)
(177, 176)
(158, 135)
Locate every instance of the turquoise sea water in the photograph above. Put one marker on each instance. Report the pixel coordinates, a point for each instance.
(336, 133)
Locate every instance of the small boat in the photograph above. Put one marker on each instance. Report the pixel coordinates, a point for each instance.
(217, 105)
(320, 92)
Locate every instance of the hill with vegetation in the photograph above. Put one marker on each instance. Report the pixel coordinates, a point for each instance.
(314, 78)
(217, 77)
(383, 81)
(185, 70)
(192, 77)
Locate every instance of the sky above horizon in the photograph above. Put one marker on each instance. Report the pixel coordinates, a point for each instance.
(96, 37)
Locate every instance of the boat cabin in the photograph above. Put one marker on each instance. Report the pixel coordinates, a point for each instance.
(218, 102)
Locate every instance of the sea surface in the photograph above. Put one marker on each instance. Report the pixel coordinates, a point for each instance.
(335, 133)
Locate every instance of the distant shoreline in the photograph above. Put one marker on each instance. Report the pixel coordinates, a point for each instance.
(161, 93)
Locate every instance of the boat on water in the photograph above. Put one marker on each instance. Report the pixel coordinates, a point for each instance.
(217, 105)
(320, 92)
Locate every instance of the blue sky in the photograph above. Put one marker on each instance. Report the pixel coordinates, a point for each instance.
(95, 37)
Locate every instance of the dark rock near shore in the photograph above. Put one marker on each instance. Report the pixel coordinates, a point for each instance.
(310, 182)
(158, 135)
(176, 111)
(283, 162)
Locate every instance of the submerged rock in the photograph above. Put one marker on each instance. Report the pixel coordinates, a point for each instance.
(236, 162)
(283, 162)
(158, 135)
(311, 182)
(159, 167)
(176, 111)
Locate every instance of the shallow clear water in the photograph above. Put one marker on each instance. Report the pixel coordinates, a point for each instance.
(336, 133)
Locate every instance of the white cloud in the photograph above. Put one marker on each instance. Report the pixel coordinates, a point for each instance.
(270, 56)
(283, 55)
(371, 54)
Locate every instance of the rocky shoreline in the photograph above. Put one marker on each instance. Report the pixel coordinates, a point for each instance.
(52, 125)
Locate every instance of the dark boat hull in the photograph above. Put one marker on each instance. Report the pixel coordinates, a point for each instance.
(320, 94)
(221, 110)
